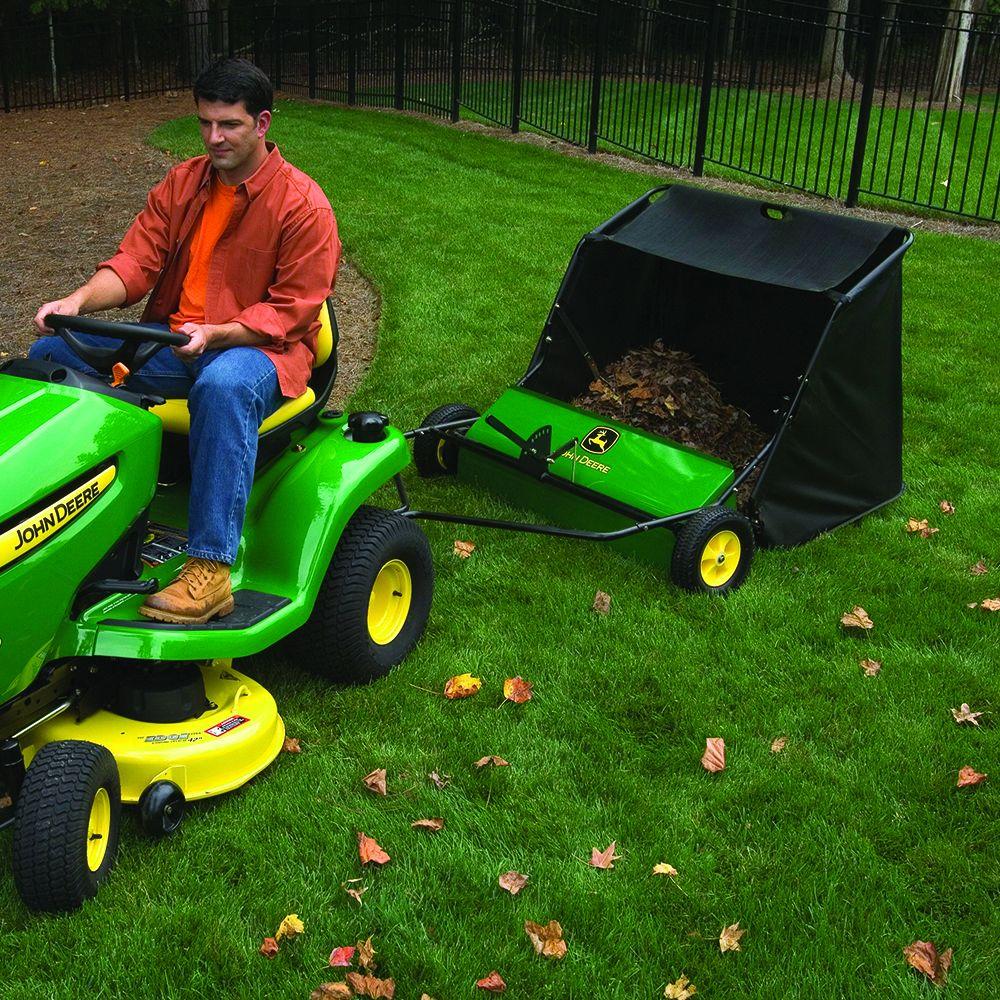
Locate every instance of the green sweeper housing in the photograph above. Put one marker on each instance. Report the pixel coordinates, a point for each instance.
(794, 314)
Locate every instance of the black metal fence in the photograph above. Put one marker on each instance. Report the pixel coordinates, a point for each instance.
(892, 103)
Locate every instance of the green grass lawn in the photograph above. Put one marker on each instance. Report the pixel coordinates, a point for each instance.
(833, 854)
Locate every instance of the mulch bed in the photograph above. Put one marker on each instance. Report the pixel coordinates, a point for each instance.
(663, 391)
(73, 181)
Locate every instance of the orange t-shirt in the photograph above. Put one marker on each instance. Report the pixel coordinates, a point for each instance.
(214, 219)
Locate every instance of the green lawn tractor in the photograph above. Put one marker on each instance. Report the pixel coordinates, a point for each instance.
(794, 314)
(101, 707)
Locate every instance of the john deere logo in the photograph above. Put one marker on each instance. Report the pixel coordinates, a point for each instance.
(600, 440)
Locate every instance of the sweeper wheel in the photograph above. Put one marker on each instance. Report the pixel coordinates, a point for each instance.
(66, 825)
(373, 603)
(713, 551)
(434, 454)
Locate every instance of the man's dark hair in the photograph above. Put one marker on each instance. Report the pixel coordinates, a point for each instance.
(233, 80)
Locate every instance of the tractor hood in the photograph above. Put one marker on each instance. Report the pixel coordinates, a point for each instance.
(50, 435)
(77, 470)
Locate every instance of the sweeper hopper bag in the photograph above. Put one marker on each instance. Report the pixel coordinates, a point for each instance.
(789, 319)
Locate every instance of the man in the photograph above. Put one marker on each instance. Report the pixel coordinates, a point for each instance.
(239, 249)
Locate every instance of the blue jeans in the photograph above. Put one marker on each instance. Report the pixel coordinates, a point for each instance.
(230, 392)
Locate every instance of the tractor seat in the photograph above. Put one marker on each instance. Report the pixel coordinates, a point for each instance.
(176, 418)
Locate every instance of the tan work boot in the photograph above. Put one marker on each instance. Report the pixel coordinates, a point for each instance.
(201, 591)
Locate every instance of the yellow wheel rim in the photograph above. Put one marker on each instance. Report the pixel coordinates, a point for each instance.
(98, 829)
(389, 603)
(720, 558)
(440, 454)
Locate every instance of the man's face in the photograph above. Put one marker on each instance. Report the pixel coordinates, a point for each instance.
(231, 135)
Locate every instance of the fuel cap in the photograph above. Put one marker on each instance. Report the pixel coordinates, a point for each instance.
(366, 427)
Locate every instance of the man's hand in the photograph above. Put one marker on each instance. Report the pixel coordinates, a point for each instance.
(69, 306)
(200, 339)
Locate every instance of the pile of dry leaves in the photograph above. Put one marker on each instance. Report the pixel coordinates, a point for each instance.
(665, 392)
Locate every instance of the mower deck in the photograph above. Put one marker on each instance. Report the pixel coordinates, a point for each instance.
(215, 752)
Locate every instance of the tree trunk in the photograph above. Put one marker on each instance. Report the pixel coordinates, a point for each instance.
(831, 61)
(198, 47)
(951, 56)
(887, 28)
(729, 31)
(52, 58)
(646, 21)
(224, 43)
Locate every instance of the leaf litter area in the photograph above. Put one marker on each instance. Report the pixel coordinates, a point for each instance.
(663, 391)
(73, 181)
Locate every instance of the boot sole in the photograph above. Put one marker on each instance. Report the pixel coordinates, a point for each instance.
(225, 608)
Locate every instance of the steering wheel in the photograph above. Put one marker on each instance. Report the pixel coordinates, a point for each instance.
(138, 343)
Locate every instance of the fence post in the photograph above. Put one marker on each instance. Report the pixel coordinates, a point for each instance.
(597, 75)
(4, 74)
(257, 41)
(352, 55)
(123, 35)
(516, 66)
(456, 57)
(279, 43)
(707, 79)
(874, 23)
(400, 50)
(312, 51)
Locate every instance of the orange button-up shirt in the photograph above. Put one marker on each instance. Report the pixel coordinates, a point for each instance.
(270, 270)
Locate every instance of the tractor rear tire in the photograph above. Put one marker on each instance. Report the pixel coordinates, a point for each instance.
(713, 551)
(66, 825)
(434, 454)
(373, 603)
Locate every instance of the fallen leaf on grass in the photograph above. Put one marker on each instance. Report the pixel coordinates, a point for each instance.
(968, 777)
(779, 744)
(269, 948)
(463, 549)
(922, 527)
(342, 957)
(290, 927)
(978, 569)
(991, 604)
(517, 690)
(462, 686)
(870, 667)
(332, 991)
(366, 954)
(513, 882)
(729, 939)
(493, 983)
(492, 761)
(924, 957)
(369, 986)
(947, 506)
(434, 824)
(603, 859)
(355, 894)
(664, 869)
(291, 745)
(375, 782)
(965, 714)
(857, 618)
(369, 850)
(714, 757)
(681, 990)
(439, 780)
(602, 603)
(547, 940)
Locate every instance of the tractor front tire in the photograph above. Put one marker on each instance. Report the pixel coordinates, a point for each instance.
(66, 825)
(713, 551)
(433, 453)
(373, 603)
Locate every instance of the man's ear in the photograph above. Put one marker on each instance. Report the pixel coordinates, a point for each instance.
(263, 123)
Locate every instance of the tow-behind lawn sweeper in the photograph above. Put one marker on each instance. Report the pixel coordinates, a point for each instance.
(795, 315)
(100, 706)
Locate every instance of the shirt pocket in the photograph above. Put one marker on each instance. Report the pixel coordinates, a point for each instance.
(250, 271)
